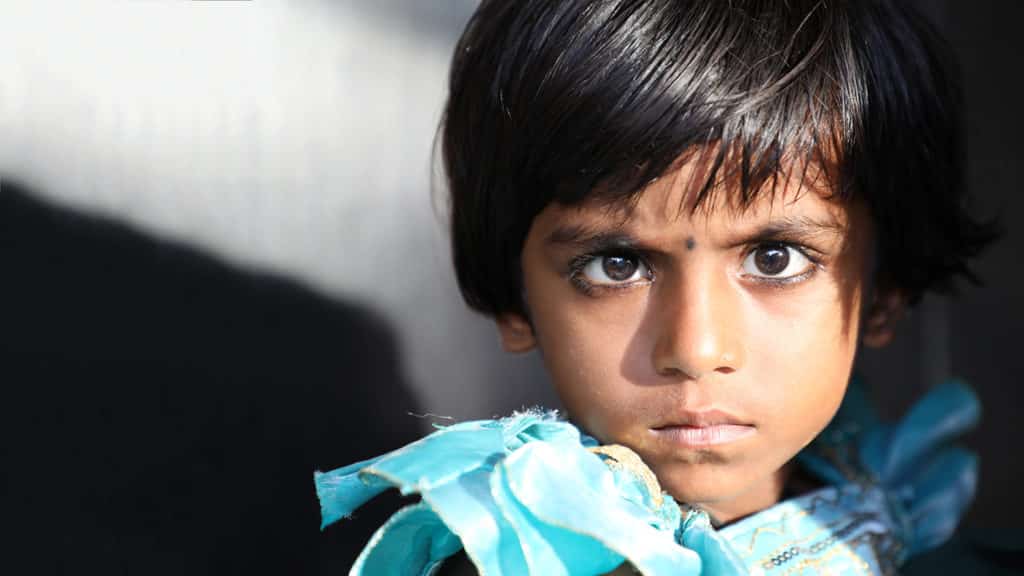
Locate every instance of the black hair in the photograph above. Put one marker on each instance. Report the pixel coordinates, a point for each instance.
(569, 100)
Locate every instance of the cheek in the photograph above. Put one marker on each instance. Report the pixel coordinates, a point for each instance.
(804, 350)
(583, 346)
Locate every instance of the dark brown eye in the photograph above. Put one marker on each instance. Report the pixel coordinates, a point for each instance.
(771, 260)
(615, 269)
(619, 268)
(778, 263)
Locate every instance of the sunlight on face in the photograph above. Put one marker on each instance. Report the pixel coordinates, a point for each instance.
(715, 344)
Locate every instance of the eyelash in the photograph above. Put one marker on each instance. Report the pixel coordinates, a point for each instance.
(578, 263)
(782, 283)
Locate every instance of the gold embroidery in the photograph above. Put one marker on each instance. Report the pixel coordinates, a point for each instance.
(617, 456)
(886, 548)
(781, 530)
(816, 500)
(797, 543)
(815, 565)
(812, 507)
(792, 550)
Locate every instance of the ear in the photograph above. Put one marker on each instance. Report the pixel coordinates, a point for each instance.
(885, 311)
(516, 333)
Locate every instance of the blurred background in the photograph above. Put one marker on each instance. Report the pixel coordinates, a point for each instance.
(224, 264)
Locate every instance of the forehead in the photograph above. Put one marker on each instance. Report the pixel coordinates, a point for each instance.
(682, 196)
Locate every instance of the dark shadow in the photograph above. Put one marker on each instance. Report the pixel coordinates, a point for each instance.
(163, 412)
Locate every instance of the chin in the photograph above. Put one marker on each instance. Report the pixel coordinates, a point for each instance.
(701, 483)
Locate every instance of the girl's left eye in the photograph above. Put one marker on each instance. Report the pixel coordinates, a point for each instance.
(615, 269)
(777, 262)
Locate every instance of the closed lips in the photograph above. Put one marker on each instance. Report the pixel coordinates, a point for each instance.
(698, 436)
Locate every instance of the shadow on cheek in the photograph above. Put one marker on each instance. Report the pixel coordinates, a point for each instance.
(851, 269)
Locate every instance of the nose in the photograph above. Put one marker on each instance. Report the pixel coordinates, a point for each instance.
(698, 322)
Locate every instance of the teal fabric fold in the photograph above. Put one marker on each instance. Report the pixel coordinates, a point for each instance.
(414, 541)
(440, 458)
(714, 549)
(522, 495)
(342, 490)
(930, 479)
(582, 514)
(893, 452)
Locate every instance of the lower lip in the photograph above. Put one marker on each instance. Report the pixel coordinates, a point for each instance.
(705, 436)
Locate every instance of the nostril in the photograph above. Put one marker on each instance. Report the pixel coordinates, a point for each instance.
(670, 371)
(725, 370)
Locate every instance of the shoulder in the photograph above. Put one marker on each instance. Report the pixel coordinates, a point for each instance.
(528, 493)
(925, 479)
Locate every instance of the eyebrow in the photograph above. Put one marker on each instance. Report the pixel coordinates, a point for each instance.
(788, 227)
(582, 237)
(793, 228)
(579, 234)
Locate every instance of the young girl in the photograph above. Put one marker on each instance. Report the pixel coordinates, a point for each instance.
(696, 212)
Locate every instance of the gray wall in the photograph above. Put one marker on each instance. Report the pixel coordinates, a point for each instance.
(295, 138)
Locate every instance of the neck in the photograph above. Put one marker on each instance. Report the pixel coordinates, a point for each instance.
(763, 495)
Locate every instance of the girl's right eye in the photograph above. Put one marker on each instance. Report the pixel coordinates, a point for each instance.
(615, 270)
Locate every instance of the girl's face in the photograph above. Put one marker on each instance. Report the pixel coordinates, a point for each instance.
(715, 344)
